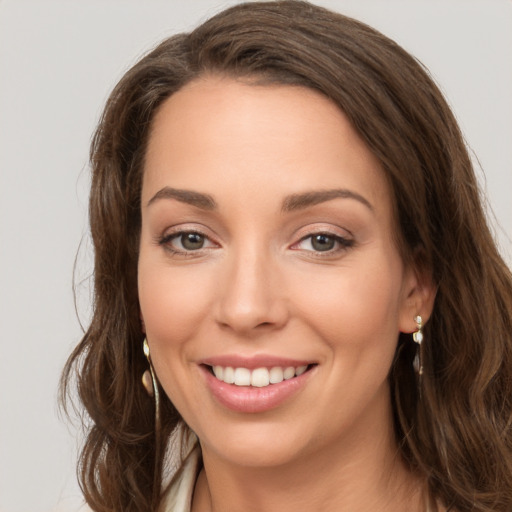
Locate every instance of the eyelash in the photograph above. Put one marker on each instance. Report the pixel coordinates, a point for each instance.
(341, 243)
(166, 242)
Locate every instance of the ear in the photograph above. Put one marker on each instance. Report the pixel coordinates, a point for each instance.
(418, 295)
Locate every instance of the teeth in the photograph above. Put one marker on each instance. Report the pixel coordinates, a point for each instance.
(289, 373)
(219, 372)
(259, 378)
(276, 375)
(242, 377)
(229, 375)
(300, 370)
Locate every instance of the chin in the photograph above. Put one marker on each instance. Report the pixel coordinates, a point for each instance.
(256, 445)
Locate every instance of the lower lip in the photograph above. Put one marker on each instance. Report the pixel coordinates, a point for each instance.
(249, 399)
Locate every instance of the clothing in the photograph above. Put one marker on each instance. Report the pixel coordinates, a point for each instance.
(178, 496)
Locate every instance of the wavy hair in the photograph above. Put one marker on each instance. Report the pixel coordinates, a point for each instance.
(458, 433)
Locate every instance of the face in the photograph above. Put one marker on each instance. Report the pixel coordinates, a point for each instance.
(270, 286)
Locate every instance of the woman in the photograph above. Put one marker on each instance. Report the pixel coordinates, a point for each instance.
(290, 249)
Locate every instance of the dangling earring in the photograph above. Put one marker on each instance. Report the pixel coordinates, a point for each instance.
(418, 338)
(150, 384)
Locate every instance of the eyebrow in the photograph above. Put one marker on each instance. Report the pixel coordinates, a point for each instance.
(301, 201)
(291, 203)
(198, 199)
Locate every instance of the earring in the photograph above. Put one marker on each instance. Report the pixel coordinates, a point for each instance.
(148, 383)
(418, 338)
(151, 384)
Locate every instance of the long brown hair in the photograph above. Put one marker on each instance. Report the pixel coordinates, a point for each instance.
(458, 433)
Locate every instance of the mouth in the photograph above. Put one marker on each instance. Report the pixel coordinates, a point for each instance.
(255, 384)
(258, 377)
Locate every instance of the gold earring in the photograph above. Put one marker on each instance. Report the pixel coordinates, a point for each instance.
(151, 384)
(148, 383)
(418, 338)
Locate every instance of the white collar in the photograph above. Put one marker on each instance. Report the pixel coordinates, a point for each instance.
(178, 496)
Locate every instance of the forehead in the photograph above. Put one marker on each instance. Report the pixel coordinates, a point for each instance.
(218, 131)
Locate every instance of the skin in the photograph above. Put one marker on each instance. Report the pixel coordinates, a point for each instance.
(259, 286)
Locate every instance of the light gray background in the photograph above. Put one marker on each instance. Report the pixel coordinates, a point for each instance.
(58, 61)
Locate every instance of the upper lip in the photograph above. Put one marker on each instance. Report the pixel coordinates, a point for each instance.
(253, 362)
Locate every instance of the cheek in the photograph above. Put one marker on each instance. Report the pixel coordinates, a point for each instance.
(174, 307)
(357, 307)
(173, 303)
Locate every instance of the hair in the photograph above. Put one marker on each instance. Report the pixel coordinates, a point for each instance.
(457, 433)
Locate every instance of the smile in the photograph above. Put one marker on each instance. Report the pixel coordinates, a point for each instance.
(256, 385)
(259, 377)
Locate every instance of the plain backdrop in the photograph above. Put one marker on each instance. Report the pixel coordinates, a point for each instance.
(58, 62)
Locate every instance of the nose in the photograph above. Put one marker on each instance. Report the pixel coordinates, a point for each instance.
(251, 295)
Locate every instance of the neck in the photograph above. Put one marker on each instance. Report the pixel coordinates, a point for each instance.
(361, 471)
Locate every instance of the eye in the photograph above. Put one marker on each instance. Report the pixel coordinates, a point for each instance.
(191, 241)
(323, 242)
(186, 241)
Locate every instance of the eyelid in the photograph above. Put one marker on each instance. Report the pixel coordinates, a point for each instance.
(174, 232)
(340, 239)
(172, 236)
(344, 241)
(322, 228)
(187, 227)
